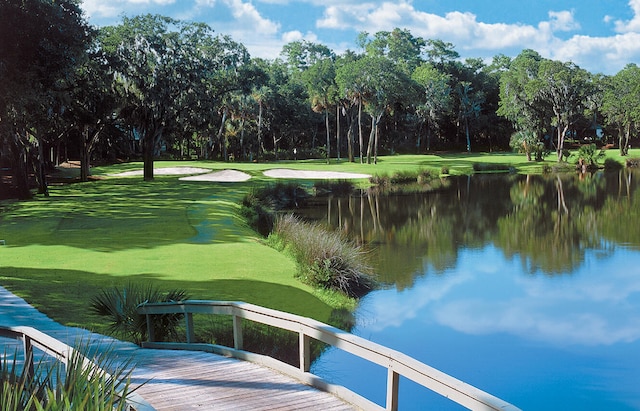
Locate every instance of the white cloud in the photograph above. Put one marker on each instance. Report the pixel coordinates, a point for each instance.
(112, 8)
(563, 21)
(627, 26)
(296, 35)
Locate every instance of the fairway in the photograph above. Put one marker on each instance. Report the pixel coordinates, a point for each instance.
(62, 250)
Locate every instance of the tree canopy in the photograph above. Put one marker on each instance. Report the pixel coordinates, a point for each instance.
(153, 86)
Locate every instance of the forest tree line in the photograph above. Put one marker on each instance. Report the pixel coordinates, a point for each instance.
(152, 87)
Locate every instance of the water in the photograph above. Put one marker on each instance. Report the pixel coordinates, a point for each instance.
(525, 287)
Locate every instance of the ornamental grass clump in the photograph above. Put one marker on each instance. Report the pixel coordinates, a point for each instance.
(77, 386)
(325, 259)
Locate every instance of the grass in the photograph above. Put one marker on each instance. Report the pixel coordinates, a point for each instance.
(62, 250)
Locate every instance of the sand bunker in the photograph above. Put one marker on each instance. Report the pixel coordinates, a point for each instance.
(318, 175)
(205, 174)
(221, 176)
(165, 171)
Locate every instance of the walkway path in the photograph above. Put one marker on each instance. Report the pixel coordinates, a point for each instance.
(182, 380)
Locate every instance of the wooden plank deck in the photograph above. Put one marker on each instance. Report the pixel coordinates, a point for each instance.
(182, 380)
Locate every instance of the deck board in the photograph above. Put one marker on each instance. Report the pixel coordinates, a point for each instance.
(182, 380)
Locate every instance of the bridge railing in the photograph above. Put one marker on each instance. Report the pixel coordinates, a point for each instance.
(32, 338)
(396, 363)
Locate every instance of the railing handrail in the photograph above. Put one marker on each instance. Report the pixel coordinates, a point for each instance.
(32, 337)
(396, 363)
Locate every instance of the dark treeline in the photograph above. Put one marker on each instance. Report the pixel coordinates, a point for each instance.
(154, 87)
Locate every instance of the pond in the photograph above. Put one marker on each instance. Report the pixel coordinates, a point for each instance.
(527, 287)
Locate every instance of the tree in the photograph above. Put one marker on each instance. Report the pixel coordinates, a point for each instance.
(621, 103)
(322, 90)
(41, 43)
(165, 68)
(470, 106)
(566, 87)
(524, 109)
(352, 87)
(436, 99)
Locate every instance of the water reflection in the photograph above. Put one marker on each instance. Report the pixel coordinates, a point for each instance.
(535, 277)
(546, 221)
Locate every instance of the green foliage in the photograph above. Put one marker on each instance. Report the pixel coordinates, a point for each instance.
(403, 177)
(340, 187)
(611, 164)
(325, 259)
(76, 386)
(260, 206)
(588, 155)
(527, 142)
(491, 167)
(119, 306)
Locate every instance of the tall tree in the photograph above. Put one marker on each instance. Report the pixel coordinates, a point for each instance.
(566, 87)
(436, 98)
(621, 103)
(165, 66)
(322, 90)
(41, 43)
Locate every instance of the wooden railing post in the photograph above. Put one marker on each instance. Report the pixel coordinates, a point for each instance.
(28, 355)
(393, 381)
(151, 333)
(305, 352)
(191, 335)
(238, 342)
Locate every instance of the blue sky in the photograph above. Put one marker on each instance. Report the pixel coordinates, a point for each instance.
(599, 35)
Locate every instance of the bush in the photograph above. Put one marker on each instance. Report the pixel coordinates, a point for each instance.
(491, 167)
(588, 156)
(325, 259)
(340, 187)
(633, 162)
(120, 305)
(74, 386)
(611, 164)
(259, 207)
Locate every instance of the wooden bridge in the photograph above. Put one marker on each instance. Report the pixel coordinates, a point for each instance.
(185, 376)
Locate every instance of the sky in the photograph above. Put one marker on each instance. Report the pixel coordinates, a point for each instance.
(601, 36)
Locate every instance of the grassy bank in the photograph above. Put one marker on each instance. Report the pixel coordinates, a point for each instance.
(61, 250)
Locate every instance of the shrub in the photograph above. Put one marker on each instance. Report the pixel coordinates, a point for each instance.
(633, 162)
(588, 156)
(120, 305)
(491, 167)
(260, 206)
(325, 259)
(340, 187)
(74, 386)
(611, 164)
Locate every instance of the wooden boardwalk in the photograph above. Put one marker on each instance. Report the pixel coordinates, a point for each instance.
(182, 380)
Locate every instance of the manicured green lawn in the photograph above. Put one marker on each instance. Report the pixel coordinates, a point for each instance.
(61, 250)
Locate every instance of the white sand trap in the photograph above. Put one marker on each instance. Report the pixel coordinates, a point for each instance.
(165, 171)
(222, 176)
(318, 175)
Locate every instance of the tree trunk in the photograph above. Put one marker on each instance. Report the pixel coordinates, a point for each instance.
(375, 144)
(326, 123)
(41, 175)
(562, 131)
(220, 131)
(338, 131)
(371, 138)
(360, 130)
(260, 145)
(466, 129)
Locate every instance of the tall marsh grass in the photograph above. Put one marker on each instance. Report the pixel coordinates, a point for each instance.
(76, 386)
(325, 259)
